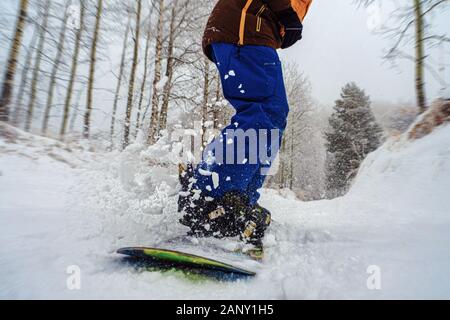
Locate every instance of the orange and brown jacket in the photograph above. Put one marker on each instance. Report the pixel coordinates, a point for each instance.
(250, 22)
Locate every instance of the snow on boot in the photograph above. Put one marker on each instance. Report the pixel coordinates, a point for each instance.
(234, 216)
(195, 209)
(185, 177)
(214, 217)
(192, 204)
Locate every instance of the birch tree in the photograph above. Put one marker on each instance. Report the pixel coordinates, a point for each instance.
(217, 102)
(206, 93)
(169, 70)
(56, 65)
(127, 123)
(144, 80)
(157, 75)
(8, 82)
(73, 69)
(92, 62)
(120, 77)
(37, 65)
(24, 77)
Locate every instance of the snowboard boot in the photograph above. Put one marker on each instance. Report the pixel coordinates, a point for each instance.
(238, 218)
(228, 210)
(254, 225)
(230, 216)
(212, 217)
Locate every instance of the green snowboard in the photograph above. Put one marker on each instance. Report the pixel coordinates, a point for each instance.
(162, 260)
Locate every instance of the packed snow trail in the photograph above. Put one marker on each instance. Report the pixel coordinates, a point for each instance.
(62, 205)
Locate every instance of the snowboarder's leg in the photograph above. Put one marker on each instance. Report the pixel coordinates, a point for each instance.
(252, 81)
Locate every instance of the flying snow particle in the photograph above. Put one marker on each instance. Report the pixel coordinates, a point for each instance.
(197, 194)
(192, 180)
(215, 179)
(232, 73)
(205, 173)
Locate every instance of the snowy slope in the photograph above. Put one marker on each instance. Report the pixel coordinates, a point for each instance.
(63, 205)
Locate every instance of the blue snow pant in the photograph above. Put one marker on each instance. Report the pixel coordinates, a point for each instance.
(252, 81)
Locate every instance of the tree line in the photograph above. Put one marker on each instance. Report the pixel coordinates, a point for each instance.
(59, 55)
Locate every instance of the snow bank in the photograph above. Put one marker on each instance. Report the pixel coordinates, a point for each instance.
(404, 174)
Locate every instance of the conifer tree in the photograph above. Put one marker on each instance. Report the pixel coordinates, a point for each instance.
(353, 134)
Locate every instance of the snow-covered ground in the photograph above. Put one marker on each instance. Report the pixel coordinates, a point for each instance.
(62, 205)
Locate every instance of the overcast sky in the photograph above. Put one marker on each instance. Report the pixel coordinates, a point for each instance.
(338, 47)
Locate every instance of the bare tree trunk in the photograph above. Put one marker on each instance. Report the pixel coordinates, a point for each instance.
(420, 56)
(24, 78)
(283, 164)
(120, 78)
(127, 124)
(155, 94)
(93, 60)
(169, 71)
(205, 98)
(291, 160)
(73, 71)
(216, 109)
(56, 63)
(73, 119)
(144, 82)
(8, 83)
(37, 66)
